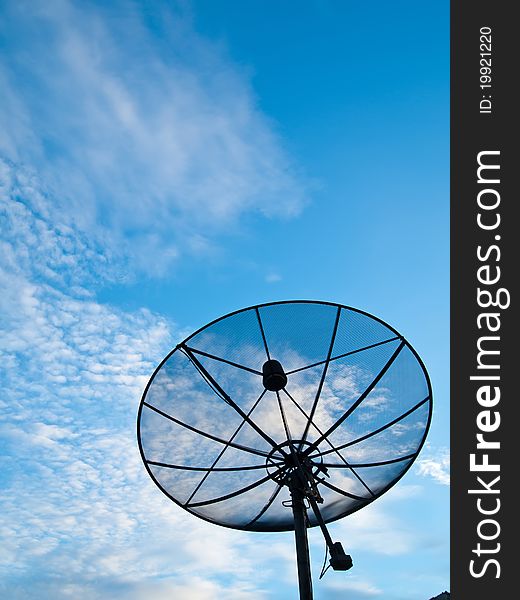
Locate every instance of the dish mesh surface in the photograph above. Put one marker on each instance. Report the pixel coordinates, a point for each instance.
(356, 406)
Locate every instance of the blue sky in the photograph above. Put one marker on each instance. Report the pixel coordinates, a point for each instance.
(162, 164)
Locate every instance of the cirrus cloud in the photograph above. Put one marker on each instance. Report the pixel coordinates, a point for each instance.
(151, 134)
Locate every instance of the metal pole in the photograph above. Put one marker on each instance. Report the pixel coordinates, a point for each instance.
(302, 544)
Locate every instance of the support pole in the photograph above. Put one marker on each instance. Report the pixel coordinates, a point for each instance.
(302, 544)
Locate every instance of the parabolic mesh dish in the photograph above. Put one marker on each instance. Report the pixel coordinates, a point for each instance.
(356, 409)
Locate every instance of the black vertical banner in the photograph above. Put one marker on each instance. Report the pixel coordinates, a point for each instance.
(485, 264)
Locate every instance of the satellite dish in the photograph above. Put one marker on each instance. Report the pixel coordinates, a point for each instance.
(284, 416)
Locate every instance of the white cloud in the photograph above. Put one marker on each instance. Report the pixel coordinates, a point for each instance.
(155, 142)
(192, 588)
(77, 504)
(375, 529)
(37, 242)
(273, 278)
(151, 155)
(352, 588)
(78, 512)
(157, 148)
(437, 466)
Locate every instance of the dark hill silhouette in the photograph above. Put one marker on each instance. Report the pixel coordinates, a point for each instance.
(443, 596)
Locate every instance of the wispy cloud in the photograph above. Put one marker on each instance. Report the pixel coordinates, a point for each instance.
(125, 149)
(273, 277)
(121, 154)
(150, 133)
(194, 588)
(77, 508)
(377, 530)
(354, 588)
(436, 465)
(78, 505)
